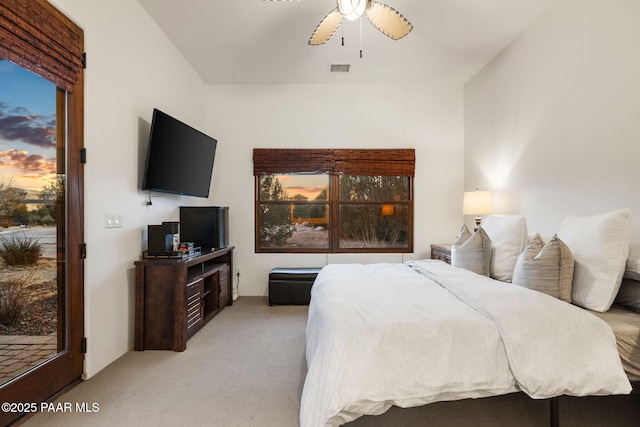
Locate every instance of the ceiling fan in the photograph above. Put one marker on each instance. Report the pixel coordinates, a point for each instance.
(384, 18)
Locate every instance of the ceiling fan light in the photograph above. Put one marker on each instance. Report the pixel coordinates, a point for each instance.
(352, 9)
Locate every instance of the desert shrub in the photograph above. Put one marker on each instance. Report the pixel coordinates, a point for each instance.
(13, 298)
(33, 219)
(20, 250)
(276, 235)
(47, 220)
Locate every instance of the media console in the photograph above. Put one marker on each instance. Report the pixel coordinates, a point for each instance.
(176, 297)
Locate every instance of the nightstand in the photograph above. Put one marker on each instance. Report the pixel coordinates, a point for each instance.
(441, 252)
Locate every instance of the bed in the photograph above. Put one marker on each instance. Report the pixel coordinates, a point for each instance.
(625, 324)
(414, 333)
(514, 313)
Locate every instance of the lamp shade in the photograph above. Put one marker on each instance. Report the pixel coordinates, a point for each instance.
(477, 203)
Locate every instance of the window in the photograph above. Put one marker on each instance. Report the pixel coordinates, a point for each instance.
(334, 200)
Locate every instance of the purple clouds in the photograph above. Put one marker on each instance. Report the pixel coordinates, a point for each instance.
(18, 125)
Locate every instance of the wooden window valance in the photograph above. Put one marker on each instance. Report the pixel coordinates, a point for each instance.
(37, 37)
(373, 162)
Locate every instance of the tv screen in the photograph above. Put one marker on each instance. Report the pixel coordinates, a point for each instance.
(179, 158)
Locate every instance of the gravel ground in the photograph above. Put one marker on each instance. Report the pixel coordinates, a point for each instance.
(40, 296)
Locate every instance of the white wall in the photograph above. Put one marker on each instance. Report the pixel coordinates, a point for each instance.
(427, 117)
(553, 123)
(132, 68)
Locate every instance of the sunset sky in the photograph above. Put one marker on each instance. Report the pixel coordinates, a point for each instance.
(27, 127)
(307, 185)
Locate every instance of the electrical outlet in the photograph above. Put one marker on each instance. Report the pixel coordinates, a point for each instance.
(237, 272)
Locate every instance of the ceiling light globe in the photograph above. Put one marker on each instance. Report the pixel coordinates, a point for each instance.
(352, 9)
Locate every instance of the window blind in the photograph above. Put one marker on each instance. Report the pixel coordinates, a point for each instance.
(37, 37)
(369, 162)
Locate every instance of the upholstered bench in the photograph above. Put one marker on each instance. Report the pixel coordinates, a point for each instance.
(291, 285)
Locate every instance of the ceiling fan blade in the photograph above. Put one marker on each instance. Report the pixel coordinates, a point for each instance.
(388, 21)
(326, 28)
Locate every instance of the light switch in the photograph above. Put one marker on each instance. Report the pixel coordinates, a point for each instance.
(112, 220)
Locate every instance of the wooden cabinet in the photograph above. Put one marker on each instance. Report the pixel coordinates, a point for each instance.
(441, 252)
(177, 297)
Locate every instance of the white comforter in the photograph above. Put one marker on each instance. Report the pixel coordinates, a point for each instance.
(409, 334)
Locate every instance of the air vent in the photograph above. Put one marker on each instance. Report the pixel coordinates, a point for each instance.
(339, 68)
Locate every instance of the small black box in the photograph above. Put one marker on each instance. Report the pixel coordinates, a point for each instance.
(160, 238)
(291, 285)
(205, 226)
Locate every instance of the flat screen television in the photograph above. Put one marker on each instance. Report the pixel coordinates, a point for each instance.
(179, 158)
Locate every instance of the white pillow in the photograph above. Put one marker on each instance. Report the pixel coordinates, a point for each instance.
(600, 247)
(508, 234)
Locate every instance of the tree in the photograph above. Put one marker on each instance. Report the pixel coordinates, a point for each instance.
(53, 191)
(275, 218)
(323, 195)
(11, 201)
(272, 189)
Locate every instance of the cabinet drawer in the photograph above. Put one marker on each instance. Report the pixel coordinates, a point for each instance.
(224, 286)
(194, 307)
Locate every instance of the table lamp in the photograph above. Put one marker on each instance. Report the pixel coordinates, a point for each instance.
(477, 203)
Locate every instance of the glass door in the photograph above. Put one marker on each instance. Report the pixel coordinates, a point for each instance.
(39, 319)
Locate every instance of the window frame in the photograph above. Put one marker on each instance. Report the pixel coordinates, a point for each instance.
(335, 163)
